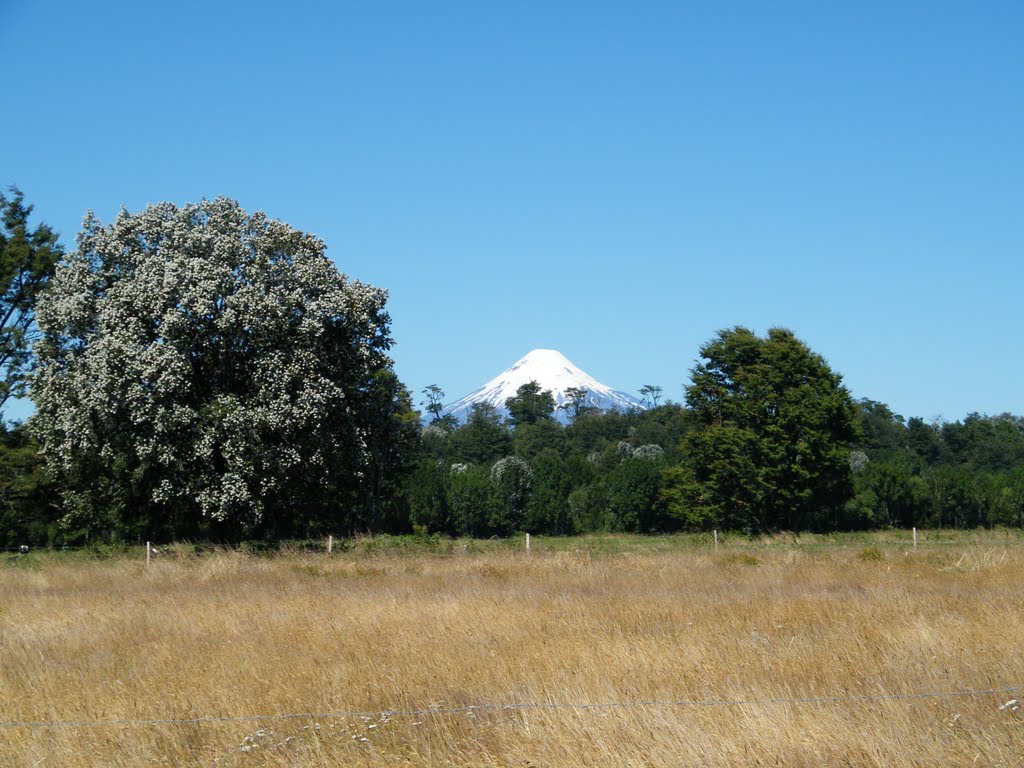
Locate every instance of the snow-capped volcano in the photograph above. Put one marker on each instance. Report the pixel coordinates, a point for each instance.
(551, 370)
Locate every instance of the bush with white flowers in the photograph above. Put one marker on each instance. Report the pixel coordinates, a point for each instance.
(652, 452)
(201, 363)
(513, 481)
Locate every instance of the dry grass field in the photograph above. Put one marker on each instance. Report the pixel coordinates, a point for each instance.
(685, 652)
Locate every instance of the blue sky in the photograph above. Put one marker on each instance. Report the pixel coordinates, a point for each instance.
(616, 181)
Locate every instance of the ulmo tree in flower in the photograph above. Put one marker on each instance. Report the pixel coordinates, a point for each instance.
(203, 371)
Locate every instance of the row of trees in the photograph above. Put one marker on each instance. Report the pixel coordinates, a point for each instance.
(200, 372)
(961, 474)
(768, 439)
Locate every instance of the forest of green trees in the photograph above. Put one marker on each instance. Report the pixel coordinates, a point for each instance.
(202, 373)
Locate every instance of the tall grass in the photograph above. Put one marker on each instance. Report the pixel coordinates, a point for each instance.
(606, 620)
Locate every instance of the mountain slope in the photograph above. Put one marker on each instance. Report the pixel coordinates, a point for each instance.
(551, 370)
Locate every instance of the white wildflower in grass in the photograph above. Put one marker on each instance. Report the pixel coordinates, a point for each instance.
(251, 742)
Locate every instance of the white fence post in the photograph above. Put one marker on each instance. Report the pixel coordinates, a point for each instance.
(527, 542)
(148, 551)
(330, 543)
(716, 539)
(915, 538)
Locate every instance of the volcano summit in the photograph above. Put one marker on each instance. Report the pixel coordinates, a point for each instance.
(552, 370)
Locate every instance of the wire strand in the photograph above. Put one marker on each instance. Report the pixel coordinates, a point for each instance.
(518, 706)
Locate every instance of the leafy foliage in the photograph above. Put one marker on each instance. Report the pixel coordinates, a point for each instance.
(575, 401)
(548, 509)
(530, 405)
(27, 514)
(483, 439)
(513, 480)
(634, 496)
(27, 261)
(204, 371)
(776, 424)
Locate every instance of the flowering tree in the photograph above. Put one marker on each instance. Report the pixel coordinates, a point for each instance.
(204, 371)
(513, 480)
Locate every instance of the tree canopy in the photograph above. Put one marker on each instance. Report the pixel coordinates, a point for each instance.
(203, 369)
(772, 450)
(530, 404)
(27, 260)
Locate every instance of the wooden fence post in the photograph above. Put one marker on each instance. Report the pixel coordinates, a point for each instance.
(148, 551)
(527, 542)
(915, 538)
(330, 543)
(716, 539)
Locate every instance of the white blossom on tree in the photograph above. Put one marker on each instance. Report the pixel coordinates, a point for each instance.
(197, 360)
(652, 451)
(513, 480)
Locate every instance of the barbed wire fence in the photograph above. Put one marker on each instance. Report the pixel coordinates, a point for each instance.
(1012, 704)
(151, 549)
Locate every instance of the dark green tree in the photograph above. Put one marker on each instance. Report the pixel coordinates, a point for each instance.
(434, 403)
(548, 510)
(1009, 508)
(575, 401)
(899, 493)
(28, 514)
(530, 404)
(772, 450)
(483, 439)
(512, 479)
(27, 261)
(925, 440)
(650, 393)
(986, 443)
(882, 432)
(666, 426)
(634, 496)
(530, 440)
(593, 431)
(473, 502)
(428, 497)
(717, 484)
(391, 430)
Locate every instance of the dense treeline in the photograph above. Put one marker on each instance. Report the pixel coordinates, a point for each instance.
(607, 471)
(620, 472)
(959, 474)
(203, 373)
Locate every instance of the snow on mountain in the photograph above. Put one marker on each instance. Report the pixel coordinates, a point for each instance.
(551, 370)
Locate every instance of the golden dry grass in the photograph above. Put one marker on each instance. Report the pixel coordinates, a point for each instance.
(234, 635)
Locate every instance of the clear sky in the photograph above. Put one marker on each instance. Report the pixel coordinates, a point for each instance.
(617, 181)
